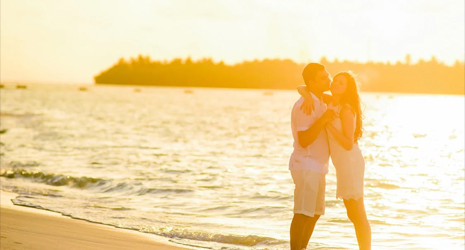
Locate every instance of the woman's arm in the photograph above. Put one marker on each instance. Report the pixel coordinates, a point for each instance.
(346, 137)
(307, 106)
(327, 98)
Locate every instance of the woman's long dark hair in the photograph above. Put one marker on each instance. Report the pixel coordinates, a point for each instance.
(352, 98)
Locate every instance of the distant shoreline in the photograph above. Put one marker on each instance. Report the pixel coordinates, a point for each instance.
(266, 89)
(13, 85)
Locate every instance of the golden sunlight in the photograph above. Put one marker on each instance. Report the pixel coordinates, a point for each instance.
(245, 124)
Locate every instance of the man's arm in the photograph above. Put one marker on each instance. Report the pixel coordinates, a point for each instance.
(308, 136)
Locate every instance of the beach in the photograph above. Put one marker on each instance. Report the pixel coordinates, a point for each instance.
(29, 228)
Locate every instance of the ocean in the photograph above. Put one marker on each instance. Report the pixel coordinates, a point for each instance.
(209, 167)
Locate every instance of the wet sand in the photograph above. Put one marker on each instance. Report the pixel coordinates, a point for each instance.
(23, 228)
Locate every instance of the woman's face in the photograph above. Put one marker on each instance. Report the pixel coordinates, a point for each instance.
(339, 85)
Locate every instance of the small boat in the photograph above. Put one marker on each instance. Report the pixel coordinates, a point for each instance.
(82, 89)
(21, 86)
(188, 91)
(137, 90)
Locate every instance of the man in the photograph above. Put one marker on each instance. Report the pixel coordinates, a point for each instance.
(310, 159)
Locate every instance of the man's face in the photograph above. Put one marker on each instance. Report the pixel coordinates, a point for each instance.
(322, 81)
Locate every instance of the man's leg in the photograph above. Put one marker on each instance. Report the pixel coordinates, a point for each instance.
(298, 225)
(309, 197)
(319, 209)
(308, 230)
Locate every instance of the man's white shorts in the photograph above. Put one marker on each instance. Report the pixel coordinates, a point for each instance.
(309, 193)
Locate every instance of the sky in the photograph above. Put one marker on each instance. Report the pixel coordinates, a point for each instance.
(71, 41)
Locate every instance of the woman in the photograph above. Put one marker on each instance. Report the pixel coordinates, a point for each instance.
(343, 134)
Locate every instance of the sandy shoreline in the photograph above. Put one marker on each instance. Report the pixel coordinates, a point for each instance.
(24, 228)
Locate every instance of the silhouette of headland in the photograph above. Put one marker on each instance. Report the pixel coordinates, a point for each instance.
(426, 77)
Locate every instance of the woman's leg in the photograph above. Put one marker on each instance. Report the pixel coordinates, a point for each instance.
(356, 213)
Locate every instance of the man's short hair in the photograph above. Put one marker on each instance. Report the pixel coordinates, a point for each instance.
(310, 71)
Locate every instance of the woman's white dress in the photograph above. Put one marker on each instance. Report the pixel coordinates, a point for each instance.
(349, 164)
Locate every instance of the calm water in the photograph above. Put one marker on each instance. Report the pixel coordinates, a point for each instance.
(210, 168)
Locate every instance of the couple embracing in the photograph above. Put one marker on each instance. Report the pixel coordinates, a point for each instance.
(326, 126)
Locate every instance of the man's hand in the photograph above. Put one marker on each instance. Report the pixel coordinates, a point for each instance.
(308, 136)
(328, 116)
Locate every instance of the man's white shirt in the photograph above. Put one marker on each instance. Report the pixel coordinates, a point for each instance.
(315, 157)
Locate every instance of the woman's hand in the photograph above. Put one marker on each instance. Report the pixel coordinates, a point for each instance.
(330, 126)
(308, 105)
